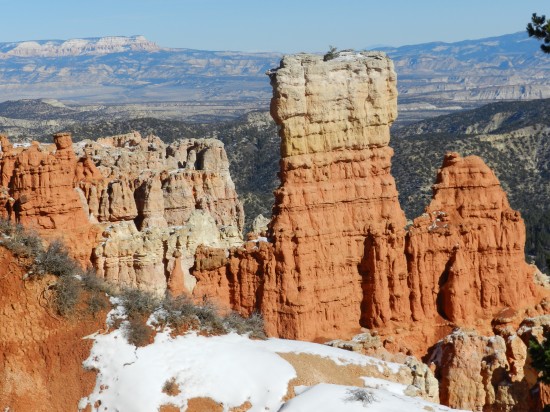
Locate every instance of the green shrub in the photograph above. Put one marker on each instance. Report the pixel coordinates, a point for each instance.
(331, 54)
(540, 356)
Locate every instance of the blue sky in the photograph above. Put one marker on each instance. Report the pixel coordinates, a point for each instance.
(258, 25)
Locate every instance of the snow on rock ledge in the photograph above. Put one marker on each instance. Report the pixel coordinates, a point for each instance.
(231, 370)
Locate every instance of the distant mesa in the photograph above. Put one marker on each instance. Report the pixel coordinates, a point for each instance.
(77, 47)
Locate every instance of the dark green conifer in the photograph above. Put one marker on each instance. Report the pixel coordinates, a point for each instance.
(539, 28)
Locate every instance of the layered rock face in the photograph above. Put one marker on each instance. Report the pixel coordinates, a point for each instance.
(339, 255)
(38, 190)
(468, 248)
(336, 189)
(493, 373)
(336, 192)
(156, 204)
(40, 355)
(135, 207)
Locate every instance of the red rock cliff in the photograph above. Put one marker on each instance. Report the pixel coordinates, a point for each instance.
(40, 355)
(466, 253)
(136, 208)
(339, 255)
(336, 193)
(38, 187)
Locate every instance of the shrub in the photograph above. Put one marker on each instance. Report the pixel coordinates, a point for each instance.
(138, 303)
(95, 303)
(137, 333)
(21, 242)
(540, 356)
(91, 282)
(209, 318)
(364, 396)
(5, 226)
(67, 293)
(253, 325)
(178, 312)
(331, 54)
(171, 388)
(56, 260)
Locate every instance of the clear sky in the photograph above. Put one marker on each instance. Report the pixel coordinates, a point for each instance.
(260, 25)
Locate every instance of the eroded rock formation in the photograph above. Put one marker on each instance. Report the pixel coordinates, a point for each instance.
(490, 373)
(38, 190)
(336, 190)
(474, 242)
(135, 207)
(40, 355)
(339, 255)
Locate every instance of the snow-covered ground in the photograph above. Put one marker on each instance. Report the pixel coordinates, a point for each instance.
(231, 370)
(330, 398)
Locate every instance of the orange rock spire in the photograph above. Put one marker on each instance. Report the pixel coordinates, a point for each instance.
(339, 256)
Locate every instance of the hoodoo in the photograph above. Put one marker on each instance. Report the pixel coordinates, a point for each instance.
(136, 208)
(339, 254)
(336, 191)
(38, 190)
(468, 247)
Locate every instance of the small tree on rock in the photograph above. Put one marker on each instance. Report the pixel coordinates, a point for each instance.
(540, 354)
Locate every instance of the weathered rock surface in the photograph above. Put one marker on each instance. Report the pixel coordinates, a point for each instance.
(156, 204)
(465, 254)
(336, 190)
(135, 207)
(146, 178)
(490, 373)
(39, 191)
(422, 380)
(339, 255)
(40, 355)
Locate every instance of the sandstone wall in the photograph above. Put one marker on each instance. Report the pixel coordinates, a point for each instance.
(340, 254)
(336, 188)
(38, 191)
(136, 208)
(156, 204)
(468, 248)
(491, 373)
(40, 355)
(336, 192)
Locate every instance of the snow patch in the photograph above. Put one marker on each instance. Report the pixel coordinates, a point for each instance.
(230, 369)
(330, 398)
(339, 356)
